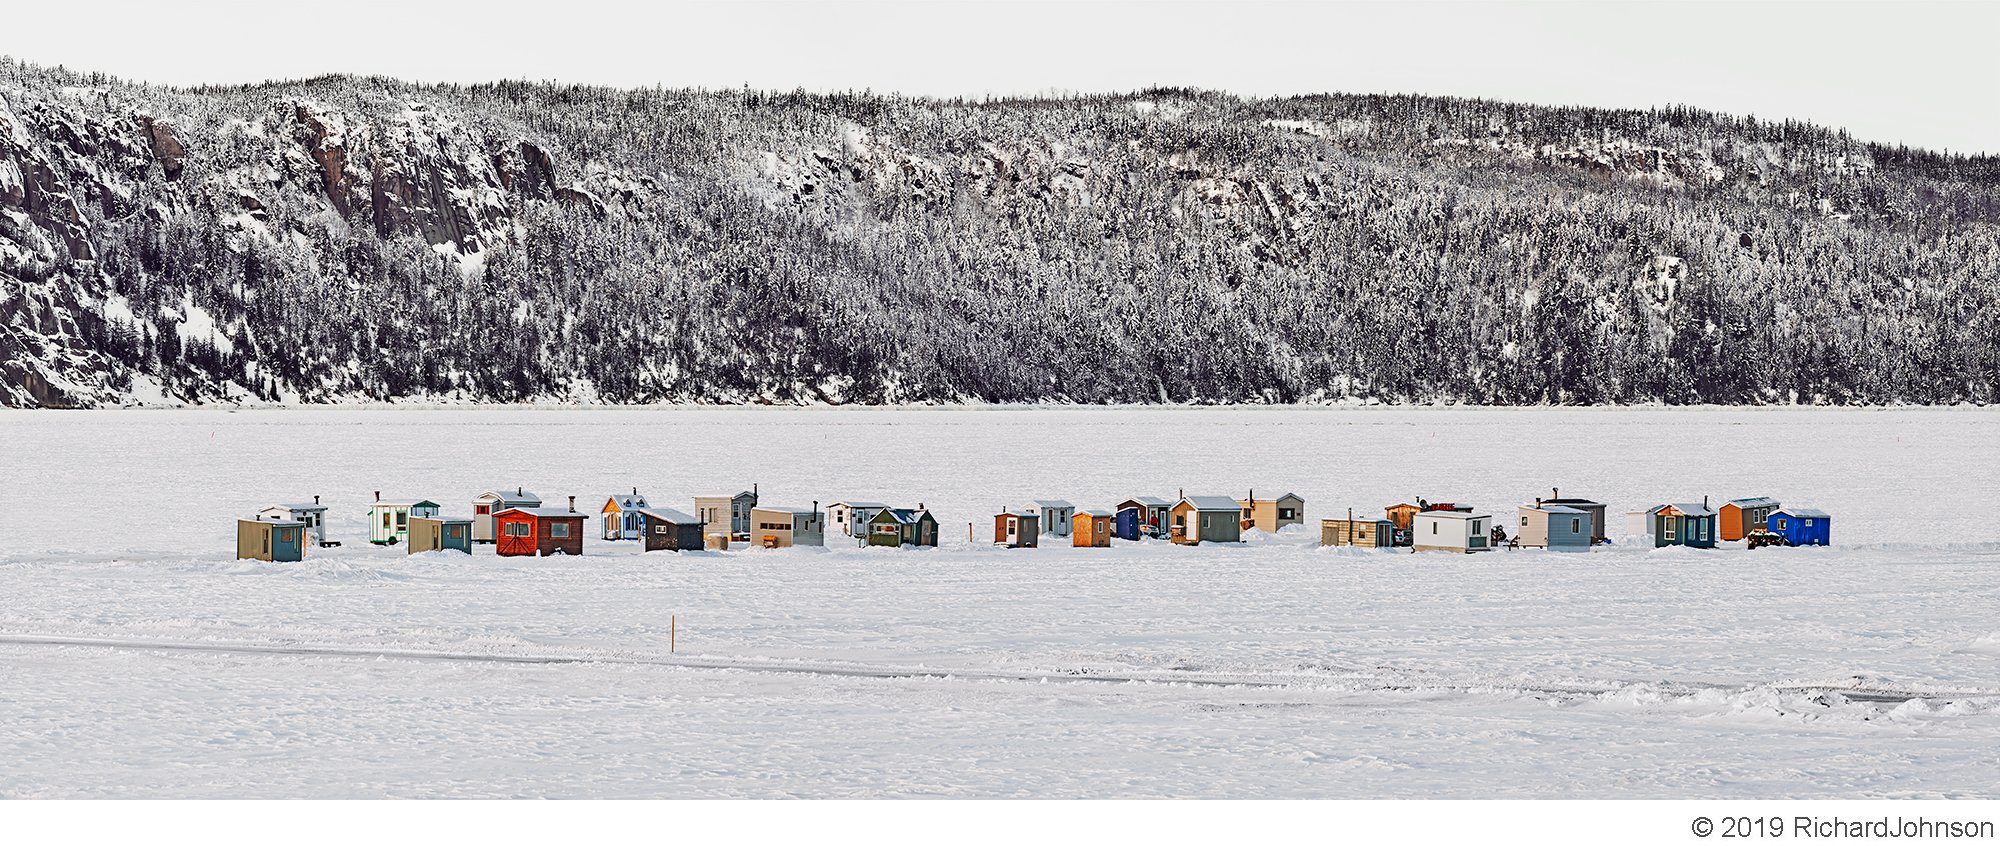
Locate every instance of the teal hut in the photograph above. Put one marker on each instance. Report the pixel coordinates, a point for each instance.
(1682, 524)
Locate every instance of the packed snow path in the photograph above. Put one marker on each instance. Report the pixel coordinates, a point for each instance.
(140, 660)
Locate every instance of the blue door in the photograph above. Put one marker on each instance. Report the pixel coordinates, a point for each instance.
(1127, 527)
(287, 543)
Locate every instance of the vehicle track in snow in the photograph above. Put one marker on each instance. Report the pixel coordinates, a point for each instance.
(1854, 693)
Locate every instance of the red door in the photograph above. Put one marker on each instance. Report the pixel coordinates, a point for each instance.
(516, 536)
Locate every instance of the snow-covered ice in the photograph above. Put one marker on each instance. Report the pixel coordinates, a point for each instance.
(139, 659)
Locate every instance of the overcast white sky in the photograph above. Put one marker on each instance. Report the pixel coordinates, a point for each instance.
(1918, 73)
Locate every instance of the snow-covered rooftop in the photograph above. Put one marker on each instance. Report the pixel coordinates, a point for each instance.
(669, 515)
(1213, 503)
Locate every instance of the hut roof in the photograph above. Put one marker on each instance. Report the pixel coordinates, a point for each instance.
(1213, 503)
(861, 503)
(737, 495)
(1553, 508)
(1754, 502)
(1693, 509)
(1805, 512)
(787, 509)
(446, 519)
(283, 524)
(1276, 498)
(1155, 501)
(1455, 515)
(1095, 512)
(668, 515)
(298, 506)
(405, 503)
(1052, 503)
(543, 512)
(518, 494)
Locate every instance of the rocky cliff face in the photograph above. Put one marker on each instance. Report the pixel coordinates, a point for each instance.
(345, 239)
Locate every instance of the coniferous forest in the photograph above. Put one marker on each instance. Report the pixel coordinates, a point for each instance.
(361, 239)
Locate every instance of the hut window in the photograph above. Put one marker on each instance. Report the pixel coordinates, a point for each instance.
(1524, 519)
(660, 529)
(558, 530)
(482, 508)
(1576, 524)
(1808, 522)
(1434, 528)
(517, 530)
(454, 532)
(1288, 514)
(385, 519)
(1671, 525)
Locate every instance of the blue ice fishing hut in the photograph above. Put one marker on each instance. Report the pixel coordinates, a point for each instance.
(1802, 526)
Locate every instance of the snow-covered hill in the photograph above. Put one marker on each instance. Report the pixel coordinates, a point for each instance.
(343, 239)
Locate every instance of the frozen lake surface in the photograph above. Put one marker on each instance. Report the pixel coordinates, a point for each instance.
(141, 660)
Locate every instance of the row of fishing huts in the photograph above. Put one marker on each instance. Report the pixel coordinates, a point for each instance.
(1184, 519)
(516, 522)
(1575, 525)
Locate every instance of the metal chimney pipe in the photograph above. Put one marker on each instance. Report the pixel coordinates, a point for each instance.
(378, 496)
(315, 499)
(572, 504)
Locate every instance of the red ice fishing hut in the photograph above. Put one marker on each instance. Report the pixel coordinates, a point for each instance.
(538, 531)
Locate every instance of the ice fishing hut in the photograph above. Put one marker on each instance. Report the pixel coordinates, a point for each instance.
(312, 514)
(1595, 509)
(389, 519)
(1091, 528)
(1558, 528)
(899, 526)
(1352, 531)
(1055, 515)
(1271, 515)
(1443, 530)
(665, 528)
(621, 516)
(727, 514)
(1142, 516)
(428, 534)
(1737, 518)
(1016, 529)
(1217, 519)
(1802, 526)
(778, 526)
(539, 531)
(492, 502)
(853, 517)
(1681, 524)
(270, 540)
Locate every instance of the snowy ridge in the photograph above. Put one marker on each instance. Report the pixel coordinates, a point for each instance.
(341, 240)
